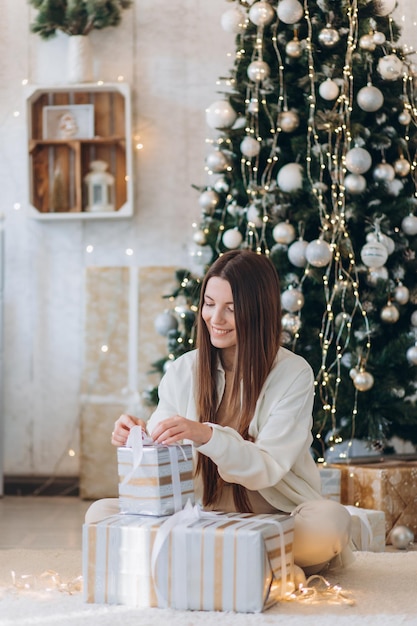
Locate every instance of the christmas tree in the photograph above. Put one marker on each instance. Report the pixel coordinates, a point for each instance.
(313, 163)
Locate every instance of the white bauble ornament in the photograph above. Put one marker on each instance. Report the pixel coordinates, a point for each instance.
(390, 67)
(328, 37)
(358, 160)
(294, 49)
(261, 13)
(288, 121)
(221, 185)
(164, 322)
(395, 187)
(370, 98)
(233, 21)
(384, 7)
(209, 200)
(290, 177)
(258, 71)
(384, 239)
(389, 313)
(409, 224)
(355, 184)
(250, 147)
(252, 215)
(284, 233)
(379, 38)
(221, 114)
(290, 11)
(374, 254)
(291, 323)
(292, 300)
(401, 294)
(363, 381)
(383, 173)
(329, 90)
(319, 253)
(200, 257)
(297, 253)
(232, 238)
(353, 372)
(411, 355)
(199, 236)
(377, 273)
(404, 118)
(402, 167)
(217, 161)
(367, 42)
(414, 318)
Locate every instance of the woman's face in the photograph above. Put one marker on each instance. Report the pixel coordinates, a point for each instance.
(218, 313)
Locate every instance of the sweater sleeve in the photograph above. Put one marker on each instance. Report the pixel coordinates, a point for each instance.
(284, 434)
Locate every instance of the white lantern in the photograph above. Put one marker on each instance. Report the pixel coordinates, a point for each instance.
(100, 188)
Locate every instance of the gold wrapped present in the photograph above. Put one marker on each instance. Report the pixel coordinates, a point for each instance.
(368, 529)
(154, 479)
(191, 560)
(330, 483)
(389, 486)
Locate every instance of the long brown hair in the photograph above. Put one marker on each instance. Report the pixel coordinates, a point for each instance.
(257, 309)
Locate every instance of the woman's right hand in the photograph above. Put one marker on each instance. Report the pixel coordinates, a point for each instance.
(122, 428)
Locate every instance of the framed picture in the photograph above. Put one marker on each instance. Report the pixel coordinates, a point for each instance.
(74, 121)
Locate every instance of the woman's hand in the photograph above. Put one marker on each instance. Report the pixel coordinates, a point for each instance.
(122, 428)
(176, 428)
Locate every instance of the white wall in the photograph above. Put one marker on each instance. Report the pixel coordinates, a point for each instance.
(171, 53)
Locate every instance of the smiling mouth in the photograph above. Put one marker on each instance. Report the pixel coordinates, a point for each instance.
(218, 331)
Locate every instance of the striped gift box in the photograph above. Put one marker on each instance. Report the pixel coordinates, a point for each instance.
(160, 485)
(225, 562)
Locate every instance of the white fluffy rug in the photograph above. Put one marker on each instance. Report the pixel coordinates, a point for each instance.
(383, 586)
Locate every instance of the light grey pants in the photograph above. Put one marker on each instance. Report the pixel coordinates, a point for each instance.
(321, 532)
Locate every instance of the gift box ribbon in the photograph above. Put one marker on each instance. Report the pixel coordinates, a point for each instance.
(365, 526)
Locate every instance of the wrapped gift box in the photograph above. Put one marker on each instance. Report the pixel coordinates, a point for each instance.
(389, 486)
(226, 562)
(161, 484)
(368, 529)
(330, 483)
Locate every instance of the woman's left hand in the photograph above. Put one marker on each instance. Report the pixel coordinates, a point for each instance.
(176, 428)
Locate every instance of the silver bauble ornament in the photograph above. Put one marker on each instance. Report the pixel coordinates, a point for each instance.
(367, 42)
(404, 118)
(288, 121)
(233, 21)
(355, 184)
(395, 187)
(382, 238)
(401, 537)
(411, 355)
(258, 71)
(370, 98)
(390, 67)
(199, 237)
(284, 233)
(353, 372)
(217, 161)
(375, 274)
(253, 216)
(358, 160)
(209, 200)
(401, 294)
(383, 172)
(250, 147)
(374, 254)
(290, 11)
(402, 167)
(294, 49)
(413, 319)
(221, 185)
(384, 7)
(290, 177)
(291, 323)
(390, 314)
(200, 257)
(363, 381)
(319, 253)
(297, 253)
(261, 13)
(220, 114)
(379, 38)
(328, 37)
(292, 300)
(329, 90)
(164, 322)
(409, 224)
(232, 238)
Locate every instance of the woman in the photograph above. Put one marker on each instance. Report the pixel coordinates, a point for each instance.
(245, 403)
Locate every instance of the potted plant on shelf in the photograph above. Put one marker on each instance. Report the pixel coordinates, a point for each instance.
(76, 18)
